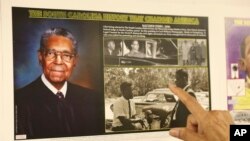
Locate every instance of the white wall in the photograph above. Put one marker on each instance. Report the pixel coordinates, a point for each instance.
(215, 10)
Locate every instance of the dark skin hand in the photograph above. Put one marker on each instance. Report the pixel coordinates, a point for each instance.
(126, 121)
(201, 125)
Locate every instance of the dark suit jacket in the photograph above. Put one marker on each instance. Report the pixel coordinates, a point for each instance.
(114, 52)
(181, 113)
(40, 114)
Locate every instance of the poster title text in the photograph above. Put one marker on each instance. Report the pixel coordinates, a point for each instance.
(116, 17)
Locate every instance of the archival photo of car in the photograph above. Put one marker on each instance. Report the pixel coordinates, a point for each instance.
(140, 51)
(154, 101)
(157, 106)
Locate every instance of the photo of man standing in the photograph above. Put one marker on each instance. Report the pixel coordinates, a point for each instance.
(180, 112)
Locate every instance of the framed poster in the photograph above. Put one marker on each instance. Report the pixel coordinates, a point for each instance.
(111, 69)
(237, 46)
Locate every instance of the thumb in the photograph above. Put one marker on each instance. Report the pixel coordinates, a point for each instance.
(186, 134)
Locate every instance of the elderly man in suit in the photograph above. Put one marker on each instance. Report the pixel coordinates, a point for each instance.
(51, 106)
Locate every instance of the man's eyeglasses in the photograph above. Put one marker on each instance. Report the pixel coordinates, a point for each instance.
(52, 54)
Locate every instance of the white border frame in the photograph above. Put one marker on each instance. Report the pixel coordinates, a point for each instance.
(215, 10)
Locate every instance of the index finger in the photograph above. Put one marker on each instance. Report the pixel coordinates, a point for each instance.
(190, 102)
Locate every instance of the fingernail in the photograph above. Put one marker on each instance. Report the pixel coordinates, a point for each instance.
(174, 133)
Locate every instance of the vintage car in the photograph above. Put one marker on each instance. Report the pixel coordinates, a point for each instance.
(203, 98)
(159, 98)
(152, 52)
(159, 103)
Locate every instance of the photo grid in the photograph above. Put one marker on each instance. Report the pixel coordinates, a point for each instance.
(147, 66)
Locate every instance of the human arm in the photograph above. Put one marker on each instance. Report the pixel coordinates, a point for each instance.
(201, 125)
(126, 122)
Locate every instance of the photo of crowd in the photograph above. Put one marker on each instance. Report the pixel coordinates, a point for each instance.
(192, 52)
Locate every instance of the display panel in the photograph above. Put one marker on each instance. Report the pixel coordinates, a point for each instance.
(237, 46)
(117, 54)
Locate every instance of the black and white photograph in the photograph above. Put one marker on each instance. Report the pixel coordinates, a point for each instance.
(140, 51)
(138, 99)
(192, 52)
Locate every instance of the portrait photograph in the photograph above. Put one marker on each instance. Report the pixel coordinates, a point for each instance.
(57, 77)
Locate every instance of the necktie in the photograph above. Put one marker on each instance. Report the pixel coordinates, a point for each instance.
(175, 110)
(64, 114)
(129, 109)
(59, 95)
